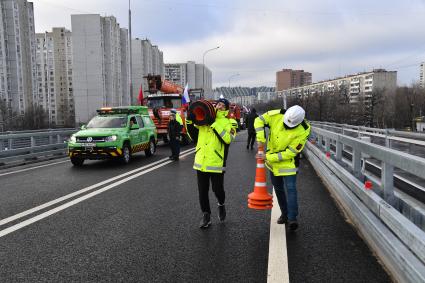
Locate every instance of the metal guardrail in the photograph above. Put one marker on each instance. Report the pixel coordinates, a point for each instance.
(390, 134)
(21, 146)
(396, 239)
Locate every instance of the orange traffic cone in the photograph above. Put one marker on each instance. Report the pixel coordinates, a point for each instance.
(260, 199)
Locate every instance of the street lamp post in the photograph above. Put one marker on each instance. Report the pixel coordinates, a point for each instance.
(232, 76)
(203, 66)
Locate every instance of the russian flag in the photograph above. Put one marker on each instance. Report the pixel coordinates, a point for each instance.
(185, 98)
(140, 97)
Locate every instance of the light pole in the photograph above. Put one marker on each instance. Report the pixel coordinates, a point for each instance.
(130, 65)
(203, 66)
(232, 76)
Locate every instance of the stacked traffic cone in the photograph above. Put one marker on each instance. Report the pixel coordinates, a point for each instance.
(260, 199)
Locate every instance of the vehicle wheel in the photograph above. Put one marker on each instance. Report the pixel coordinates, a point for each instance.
(152, 148)
(77, 161)
(126, 154)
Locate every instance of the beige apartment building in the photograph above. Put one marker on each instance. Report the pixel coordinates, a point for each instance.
(54, 76)
(362, 84)
(288, 78)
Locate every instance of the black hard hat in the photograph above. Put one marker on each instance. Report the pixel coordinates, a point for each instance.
(225, 102)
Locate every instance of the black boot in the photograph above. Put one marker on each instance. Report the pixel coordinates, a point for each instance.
(206, 221)
(221, 212)
(293, 225)
(282, 219)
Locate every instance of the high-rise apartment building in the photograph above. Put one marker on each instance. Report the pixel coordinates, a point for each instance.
(422, 75)
(189, 73)
(146, 59)
(17, 55)
(54, 76)
(288, 78)
(100, 62)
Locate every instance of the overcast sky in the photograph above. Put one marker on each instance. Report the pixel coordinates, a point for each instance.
(257, 38)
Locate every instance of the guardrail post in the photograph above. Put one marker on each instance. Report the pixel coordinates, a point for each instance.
(387, 140)
(356, 162)
(50, 139)
(10, 142)
(327, 144)
(32, 143)
(320, 141)
(387, 183)
(339, 146)
(58, 137)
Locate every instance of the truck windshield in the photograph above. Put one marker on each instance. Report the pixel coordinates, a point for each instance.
(166, 102)
(107, 122)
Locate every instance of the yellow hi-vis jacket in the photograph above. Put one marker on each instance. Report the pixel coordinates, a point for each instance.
(212, 140)
(283, 144)
(179, 119)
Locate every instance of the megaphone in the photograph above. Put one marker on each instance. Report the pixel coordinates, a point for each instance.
(202, 112)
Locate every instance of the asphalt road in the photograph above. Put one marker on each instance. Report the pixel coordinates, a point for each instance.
(143, 227)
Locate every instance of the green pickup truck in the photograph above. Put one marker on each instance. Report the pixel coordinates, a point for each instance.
(115, 132)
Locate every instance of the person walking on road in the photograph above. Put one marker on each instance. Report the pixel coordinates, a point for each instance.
(250, 118)
(210, 160)
(174, 129)
(288, 134)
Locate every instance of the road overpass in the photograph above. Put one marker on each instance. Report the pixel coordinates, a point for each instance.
(139, 223)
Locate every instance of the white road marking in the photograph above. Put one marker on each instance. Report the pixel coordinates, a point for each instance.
(50, 203)
(32, 168)
(78, 200)
(278, 258)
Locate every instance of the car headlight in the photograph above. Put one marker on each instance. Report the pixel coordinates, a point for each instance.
(111, 138)
(73, 139)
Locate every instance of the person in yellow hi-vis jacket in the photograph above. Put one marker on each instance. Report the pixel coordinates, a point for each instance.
(210, 160)
(288, 134)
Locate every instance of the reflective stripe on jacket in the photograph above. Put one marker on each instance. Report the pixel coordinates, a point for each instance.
(179, 119)
(212, 140)
(283, 144)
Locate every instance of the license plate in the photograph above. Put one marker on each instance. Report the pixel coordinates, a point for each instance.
(161, 131)
(88, 144)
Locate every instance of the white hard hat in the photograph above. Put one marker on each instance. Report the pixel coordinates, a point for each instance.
(293, 116)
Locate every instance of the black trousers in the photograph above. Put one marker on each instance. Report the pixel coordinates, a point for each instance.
(175, 147)
(251, 139)
(203, 187)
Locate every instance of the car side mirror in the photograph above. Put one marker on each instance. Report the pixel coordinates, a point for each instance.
(135, 127)
(83, 127)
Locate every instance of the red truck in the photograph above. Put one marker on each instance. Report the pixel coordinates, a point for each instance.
(164, 96)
